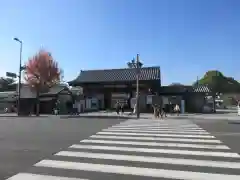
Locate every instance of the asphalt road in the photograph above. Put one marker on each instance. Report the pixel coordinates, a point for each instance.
(25, 141)
(226, 131)
(132, 150)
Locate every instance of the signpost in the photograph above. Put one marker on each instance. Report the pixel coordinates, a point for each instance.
(11, 75)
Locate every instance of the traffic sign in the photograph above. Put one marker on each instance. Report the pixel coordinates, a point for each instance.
(10, 74)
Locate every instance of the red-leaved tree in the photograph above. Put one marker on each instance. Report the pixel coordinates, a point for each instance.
(41, 73)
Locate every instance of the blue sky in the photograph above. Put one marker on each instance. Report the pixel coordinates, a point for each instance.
(184, 37)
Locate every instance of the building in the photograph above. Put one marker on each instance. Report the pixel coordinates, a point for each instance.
(103, 88)
(96, 90)
(193, 98)
(48, 100)
(7, 100)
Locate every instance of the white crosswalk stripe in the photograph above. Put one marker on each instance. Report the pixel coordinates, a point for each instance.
(161, 129)
(30, 176)
(159, 139)
(157, 144)
(157, 134)
(156, 131)
(145, 148)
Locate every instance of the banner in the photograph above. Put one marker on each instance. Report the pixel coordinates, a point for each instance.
(149, 99)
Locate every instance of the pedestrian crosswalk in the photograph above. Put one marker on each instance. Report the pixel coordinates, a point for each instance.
(141, 149)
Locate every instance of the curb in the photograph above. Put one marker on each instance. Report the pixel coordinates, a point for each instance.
(212, 118)
(99, 117)
(233, 121)
(23, 116)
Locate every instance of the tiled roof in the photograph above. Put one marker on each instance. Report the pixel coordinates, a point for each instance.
(182, 89)
(8, 96)
(55, 90)
(173, 89)
(113, 75)
(202, 88)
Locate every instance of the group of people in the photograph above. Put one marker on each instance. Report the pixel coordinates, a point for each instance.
(159, 111)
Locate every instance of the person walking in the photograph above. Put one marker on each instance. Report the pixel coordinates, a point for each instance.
(177, 109)
(155, 111)
(118, 107)
(164, 110)
(122, 108)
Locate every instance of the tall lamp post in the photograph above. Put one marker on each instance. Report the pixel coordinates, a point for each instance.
(137, 65)
(20, 74)
(137, 87)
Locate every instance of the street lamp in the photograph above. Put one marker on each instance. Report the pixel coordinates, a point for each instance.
(137, 86)
(19, 75)
(137, 65)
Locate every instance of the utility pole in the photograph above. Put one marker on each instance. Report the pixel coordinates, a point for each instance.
(137, 87)
(19, 75)
(197, 82)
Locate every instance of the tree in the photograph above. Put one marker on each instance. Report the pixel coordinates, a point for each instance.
(219, 83)
(42, 72)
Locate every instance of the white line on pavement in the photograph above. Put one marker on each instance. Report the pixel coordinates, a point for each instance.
(150, 159)
(155, 131)
(127, 170)
(155, 125)
(159, 128)
(158, 139)
(29, 176)
(163, 151)
(159, 134)
(178, 145)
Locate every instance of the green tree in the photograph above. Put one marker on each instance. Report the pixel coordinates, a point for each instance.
(219, 83)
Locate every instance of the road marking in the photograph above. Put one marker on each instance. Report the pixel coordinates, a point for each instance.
(200, 146)
(158, 134)
(159, 123)
(127, 170)
(163, 151)
(156, 121)
(159, 128)
(29, 176)
(155, 131)
(154, 125)
(149, 159)
(158, 139)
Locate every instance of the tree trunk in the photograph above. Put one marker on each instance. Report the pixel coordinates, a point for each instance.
(37, 104)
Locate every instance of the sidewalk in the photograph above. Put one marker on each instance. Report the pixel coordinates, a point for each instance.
(22, 116)
(113, 115)
(104, 114)
(228, 116)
